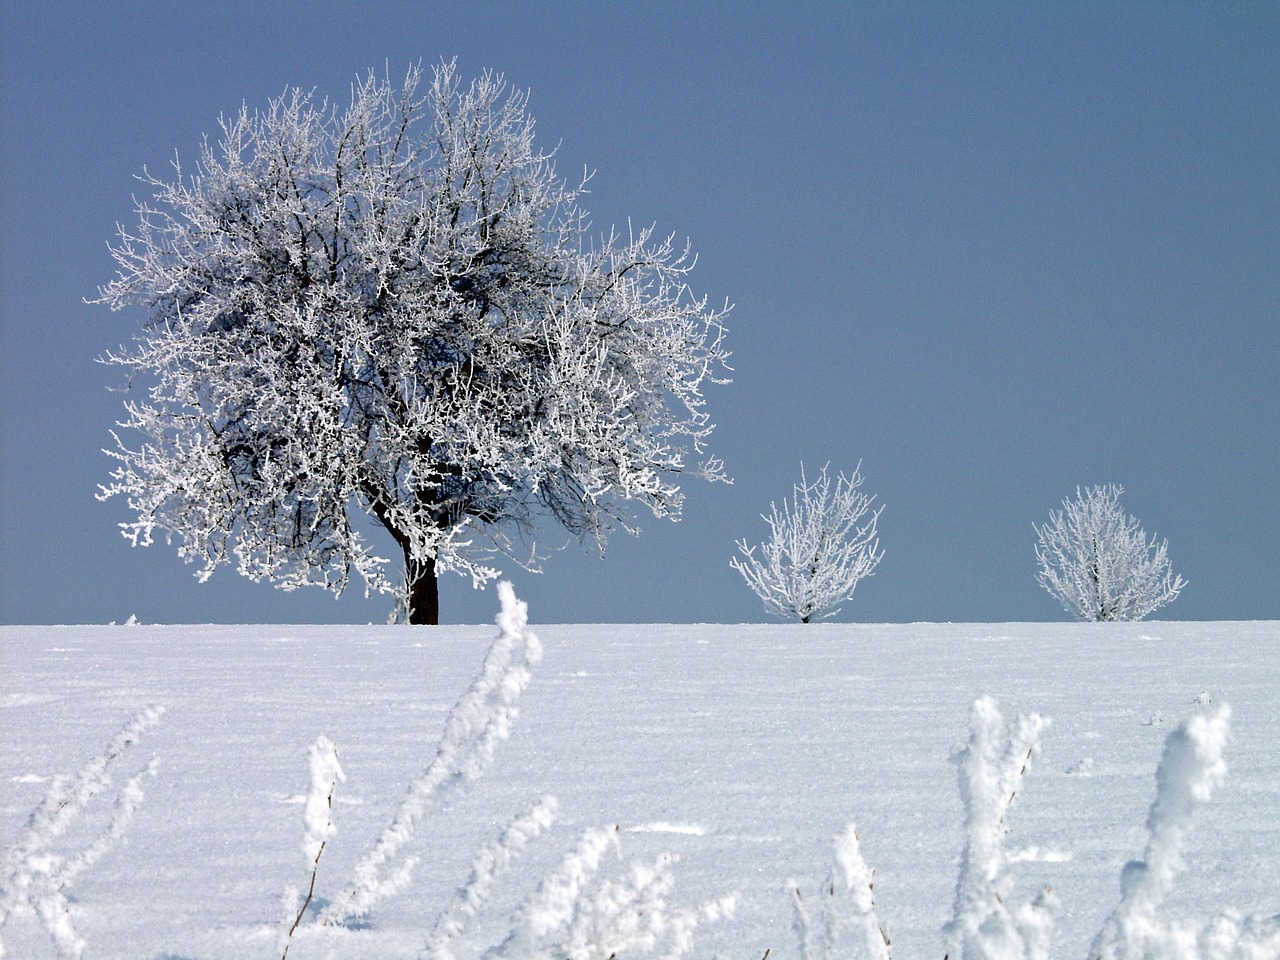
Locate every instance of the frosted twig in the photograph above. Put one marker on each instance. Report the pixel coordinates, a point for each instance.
(34, 878)
(859, 881)
(631, 914)
(492, 860)
(551, 906)
(851, 876)
(318, 818)
(991, 768)
(478, 723)
(985, 927)
(568, 917)
(1190, 770)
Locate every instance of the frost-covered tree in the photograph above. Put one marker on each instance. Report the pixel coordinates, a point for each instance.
(819, 548)
(395, 309)
(1098, 563)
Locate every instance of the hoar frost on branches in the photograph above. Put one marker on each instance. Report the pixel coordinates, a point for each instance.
(393, 308)
(1096, 560)
(819, 548)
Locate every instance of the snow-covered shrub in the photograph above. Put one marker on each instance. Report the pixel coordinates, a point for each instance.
(819, 548)
(1097, 562)
(36, 878)
(987, 925)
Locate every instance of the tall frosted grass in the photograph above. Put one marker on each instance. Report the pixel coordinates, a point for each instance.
(35, 875)
(593, 905)
(578, 911)
(988, 922)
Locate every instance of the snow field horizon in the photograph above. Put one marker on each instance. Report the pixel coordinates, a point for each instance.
(742, 749)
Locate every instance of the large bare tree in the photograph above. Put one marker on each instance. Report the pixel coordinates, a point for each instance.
(394, 308)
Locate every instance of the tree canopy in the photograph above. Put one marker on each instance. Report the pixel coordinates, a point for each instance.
(820, 548)
(1096, 560)
(394, 308)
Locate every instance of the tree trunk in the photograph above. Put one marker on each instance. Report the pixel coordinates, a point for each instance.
(423, 591)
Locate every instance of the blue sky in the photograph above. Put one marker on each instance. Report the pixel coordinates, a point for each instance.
(993, 251)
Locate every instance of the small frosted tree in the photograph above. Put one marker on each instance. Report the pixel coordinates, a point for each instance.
(821, 544)
(393, 308)
(1096, 559)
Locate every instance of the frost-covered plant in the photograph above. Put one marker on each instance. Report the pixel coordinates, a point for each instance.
(985, 923)
(326, 772)
(490, 863)
(33, 876)
(394, 308)
(574, 914)
(478, 723)
(853, 880)
(819, 548)
(1097, 562)
(629, 915)
(1190, 770)
(551, 907)
(569, 915)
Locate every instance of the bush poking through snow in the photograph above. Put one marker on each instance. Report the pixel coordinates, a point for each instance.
(1097, 562)
(33, 877)
(984, 924)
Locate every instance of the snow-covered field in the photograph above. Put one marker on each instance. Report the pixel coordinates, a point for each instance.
(744, 750)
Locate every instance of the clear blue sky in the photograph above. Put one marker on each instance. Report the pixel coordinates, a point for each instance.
(993, 251)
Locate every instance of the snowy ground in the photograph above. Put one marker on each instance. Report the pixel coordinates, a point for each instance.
(743, 749)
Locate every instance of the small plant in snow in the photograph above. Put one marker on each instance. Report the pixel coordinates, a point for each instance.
(318, 817)
(851, 878)
(819, 548)
(477, 724)
(491, 862)
(35, 878)
(1097, 562)
(1190, 770)
(984, 922)
(568, 916)
(986, 925)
